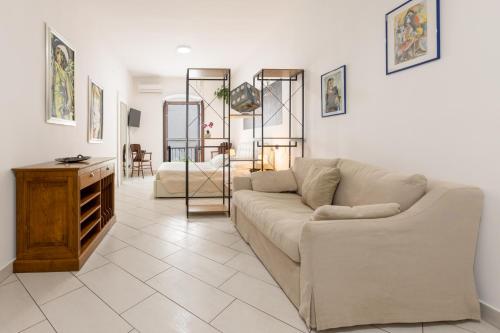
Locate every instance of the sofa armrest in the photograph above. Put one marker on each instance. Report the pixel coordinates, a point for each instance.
(242, 183)
(412, 267)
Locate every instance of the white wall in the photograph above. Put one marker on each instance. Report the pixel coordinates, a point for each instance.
(26, 138)
(150, 134)
(440, 119)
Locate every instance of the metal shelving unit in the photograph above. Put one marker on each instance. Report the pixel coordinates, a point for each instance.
(295, 79)
(222, 75)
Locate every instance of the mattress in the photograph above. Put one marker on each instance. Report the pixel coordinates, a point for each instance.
(204, 178)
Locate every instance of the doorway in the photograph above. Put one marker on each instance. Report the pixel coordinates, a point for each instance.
(174, 131)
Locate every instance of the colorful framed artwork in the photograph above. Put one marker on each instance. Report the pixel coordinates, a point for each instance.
(333, 92)
(59, 80)
(412, 35)
(96, 113)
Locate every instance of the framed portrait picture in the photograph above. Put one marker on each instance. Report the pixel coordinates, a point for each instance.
(333, 92)
(59, 80)
(96, 113)
(412, 35)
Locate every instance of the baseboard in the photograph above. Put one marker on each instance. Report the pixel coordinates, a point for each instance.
(490, 314)
(6, 271)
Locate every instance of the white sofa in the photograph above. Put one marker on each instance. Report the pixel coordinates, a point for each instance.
(416, 266)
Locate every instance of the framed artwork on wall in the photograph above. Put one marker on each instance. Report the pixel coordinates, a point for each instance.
(96, 113)
(333, 92)
(59, 80)
(412, 35)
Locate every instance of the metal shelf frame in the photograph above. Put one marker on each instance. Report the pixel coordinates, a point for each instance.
(222, 75)
(293, 77)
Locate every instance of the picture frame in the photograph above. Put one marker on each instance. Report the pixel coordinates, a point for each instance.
(334, 92)
(59, 79)
(412, 35)
(95, 112)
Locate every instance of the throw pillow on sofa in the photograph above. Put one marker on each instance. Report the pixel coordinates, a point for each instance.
(319, 186)
(273, 181)
(330, 212)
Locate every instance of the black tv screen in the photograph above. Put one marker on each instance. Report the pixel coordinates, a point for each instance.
(134, 118)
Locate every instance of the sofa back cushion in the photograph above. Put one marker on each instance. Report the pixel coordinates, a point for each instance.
(302, 165)
(273, 181)
(319, 186)
(363, 184)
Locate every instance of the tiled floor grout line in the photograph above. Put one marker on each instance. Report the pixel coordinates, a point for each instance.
(93, 269)
(5, 284)
(141, 301)
(273, 316)
(456, 325)
(229, 278)
(224, 309)
(31, 326)
(141, 250)
(109, 306)
(38, 306)
(62, 295)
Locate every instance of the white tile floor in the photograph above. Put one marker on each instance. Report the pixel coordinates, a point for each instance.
(156, 272)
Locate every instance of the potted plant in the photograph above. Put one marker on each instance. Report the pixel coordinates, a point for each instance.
(222, 93)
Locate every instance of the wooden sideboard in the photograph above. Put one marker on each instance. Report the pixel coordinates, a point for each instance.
(63, 212)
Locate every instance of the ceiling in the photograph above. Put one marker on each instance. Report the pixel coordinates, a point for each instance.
(144, 35)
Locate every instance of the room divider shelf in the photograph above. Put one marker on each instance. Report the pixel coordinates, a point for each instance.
(63, 212)
(295, 100)
(213, 79)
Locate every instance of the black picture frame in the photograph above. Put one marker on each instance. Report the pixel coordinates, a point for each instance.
(343, 94)
(425, 60)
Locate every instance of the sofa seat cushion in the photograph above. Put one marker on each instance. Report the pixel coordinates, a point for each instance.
(364, 184)
(279, 216)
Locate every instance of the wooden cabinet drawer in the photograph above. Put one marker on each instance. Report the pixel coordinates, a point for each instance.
(89, 178)
(107, 170)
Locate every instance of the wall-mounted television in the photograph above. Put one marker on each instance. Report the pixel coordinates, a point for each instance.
(134, 118)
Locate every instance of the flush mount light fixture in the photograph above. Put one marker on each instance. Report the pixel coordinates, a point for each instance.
(183, 49)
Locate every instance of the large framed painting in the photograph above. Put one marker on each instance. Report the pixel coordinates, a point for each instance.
(412, 35)
(60, 80)
(96, 113)
(333, 92)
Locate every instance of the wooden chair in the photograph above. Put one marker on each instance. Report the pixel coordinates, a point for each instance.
(140, 159)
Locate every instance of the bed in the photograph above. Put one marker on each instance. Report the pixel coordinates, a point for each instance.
(205, 178)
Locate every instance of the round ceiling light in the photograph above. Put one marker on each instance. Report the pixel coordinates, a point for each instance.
(183, 49)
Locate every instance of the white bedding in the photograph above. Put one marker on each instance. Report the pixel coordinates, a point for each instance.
(205, 179)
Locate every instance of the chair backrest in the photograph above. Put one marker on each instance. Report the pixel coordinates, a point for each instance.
(135, 150)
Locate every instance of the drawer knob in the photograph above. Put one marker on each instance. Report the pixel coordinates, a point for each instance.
(107, 168)
(91, 174)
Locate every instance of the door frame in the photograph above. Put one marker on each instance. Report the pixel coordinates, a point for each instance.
(119, 155)
(201, 109)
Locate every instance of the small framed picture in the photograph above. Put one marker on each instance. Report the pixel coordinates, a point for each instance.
(412, 35)
(333, 92)
(96, 113)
